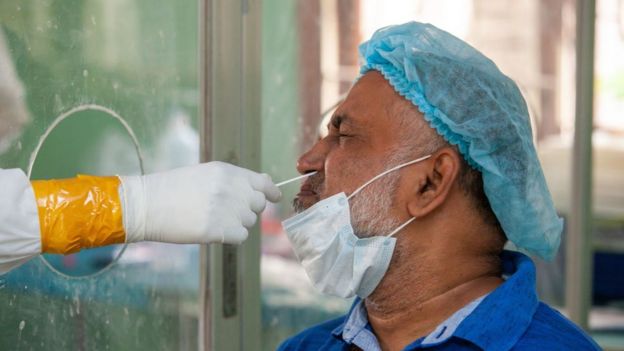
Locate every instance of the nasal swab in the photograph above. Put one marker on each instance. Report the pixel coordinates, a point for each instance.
(295, 179)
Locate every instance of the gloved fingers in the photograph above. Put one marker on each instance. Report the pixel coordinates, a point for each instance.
(257, 201)
(264, 184)
(248, 218)
(235, 235)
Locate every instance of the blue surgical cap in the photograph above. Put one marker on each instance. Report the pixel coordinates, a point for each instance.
(471, 104)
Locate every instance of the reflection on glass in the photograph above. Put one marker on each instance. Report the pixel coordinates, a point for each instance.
(138, 59)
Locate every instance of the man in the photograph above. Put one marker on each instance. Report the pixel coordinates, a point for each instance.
(433, 146)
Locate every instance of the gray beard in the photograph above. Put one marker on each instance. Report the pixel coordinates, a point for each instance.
(298, 206)
(371, 206)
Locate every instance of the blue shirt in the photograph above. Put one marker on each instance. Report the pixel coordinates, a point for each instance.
(508, 318)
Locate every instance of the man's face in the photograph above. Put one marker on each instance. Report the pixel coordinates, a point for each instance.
(362, 136)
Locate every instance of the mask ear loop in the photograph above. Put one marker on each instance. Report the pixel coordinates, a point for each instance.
(386, 172)
(401, 227)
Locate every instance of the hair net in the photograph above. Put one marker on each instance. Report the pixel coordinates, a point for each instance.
(474, 106)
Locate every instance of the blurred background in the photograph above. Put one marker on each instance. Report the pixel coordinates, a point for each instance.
(124, 87)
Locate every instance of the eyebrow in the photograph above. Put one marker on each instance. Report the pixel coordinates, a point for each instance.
(339, 119)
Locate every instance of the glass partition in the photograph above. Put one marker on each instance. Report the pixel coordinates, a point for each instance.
(100, 87)
(111, 87)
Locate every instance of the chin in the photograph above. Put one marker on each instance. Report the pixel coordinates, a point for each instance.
(302, 203)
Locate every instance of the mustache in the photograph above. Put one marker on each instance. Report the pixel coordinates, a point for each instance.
(316, 182)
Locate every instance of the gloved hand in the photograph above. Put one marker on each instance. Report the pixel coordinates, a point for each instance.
(206, 203)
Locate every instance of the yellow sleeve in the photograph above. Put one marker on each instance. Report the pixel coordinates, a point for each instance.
(79, 213)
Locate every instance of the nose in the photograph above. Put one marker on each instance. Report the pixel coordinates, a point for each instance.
(313, 159)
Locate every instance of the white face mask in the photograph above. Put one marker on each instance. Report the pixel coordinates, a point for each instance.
(337, 261)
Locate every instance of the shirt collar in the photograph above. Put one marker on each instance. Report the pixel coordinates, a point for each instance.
(492, 322)
(447, 328)
(503, 317)
(337, 332)
(356, 329)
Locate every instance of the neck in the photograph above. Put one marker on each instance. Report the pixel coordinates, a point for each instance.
(409, 303)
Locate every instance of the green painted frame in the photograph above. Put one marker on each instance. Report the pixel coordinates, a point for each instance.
(230, 69)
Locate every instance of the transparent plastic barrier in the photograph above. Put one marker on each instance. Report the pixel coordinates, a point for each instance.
(137, 59)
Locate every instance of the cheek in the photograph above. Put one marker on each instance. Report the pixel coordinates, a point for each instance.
(338, 172)
(344, 172)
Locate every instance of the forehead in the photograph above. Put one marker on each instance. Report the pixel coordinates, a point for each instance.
(371, 99)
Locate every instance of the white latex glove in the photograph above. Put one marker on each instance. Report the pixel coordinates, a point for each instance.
(206, 203)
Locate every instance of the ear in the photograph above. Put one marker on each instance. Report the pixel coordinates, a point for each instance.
(434, 182)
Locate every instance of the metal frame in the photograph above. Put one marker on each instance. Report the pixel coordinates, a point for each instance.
(579, 247)
(230, 70)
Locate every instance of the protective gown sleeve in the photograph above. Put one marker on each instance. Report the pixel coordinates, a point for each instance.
(56, 216)
(20, 239)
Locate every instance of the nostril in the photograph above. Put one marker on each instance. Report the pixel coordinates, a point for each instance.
(304, 165)
(313, 159)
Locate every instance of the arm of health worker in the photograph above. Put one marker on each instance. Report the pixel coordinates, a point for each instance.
(206, 203)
